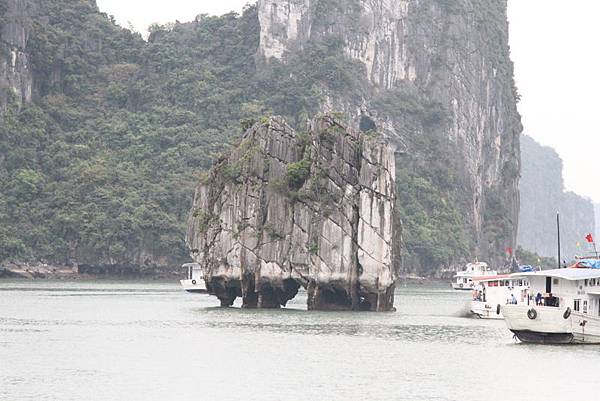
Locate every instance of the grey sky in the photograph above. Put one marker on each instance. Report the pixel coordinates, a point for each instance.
(557, 68)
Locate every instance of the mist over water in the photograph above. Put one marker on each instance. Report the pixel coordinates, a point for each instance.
(151, 341)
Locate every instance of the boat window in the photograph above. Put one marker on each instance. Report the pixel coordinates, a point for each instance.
(576, 305)
(586, 282)
(507, 283)
(493, 284)
(555, 281)
(501, 283)
(585, 303)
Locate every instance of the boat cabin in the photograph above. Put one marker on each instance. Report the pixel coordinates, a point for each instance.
(493, 292)
(501, 288)
(575, 288)
(565, 308)
(194, 271)
(194, 282)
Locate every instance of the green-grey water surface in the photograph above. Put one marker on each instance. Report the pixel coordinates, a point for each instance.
(151, 341)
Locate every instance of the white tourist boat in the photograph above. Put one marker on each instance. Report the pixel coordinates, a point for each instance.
(491, 293)
(565, 307)
(195, 279)
(466, 279)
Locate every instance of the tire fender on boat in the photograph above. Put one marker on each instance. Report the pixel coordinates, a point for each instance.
(532, 314)
(567, 313)
(194, 282)
(498, 309)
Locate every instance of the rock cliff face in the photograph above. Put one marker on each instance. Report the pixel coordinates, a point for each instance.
(542, 195)
(440, 84)
(15, 74)
(285, 210)
(375, 32)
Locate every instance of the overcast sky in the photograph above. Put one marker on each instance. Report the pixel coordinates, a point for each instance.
(557, 66)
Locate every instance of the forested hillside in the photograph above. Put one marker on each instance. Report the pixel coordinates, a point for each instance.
(104, 134)
(100, 167)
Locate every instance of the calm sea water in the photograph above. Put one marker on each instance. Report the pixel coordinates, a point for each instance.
(148, 341)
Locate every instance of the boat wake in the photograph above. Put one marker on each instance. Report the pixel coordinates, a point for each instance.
(465, 311)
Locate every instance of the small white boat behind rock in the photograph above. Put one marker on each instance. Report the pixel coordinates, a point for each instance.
(195, 279)
(466, 279)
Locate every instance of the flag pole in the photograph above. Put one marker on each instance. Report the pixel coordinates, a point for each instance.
(590, 239)
(558, 231)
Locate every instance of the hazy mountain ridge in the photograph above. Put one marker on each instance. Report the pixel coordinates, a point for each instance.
(542, 195)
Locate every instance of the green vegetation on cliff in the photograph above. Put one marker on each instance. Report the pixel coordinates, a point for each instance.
(100, 168)
(526, 257)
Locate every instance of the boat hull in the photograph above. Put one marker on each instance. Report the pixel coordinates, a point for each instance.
(535, 337)
(463, 287)
(483, 310)
(194, 286)
(550, 326)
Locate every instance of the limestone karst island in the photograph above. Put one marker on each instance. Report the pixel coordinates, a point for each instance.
(284, 199)
(285, 210)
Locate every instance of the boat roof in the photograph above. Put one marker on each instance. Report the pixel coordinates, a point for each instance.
(565, 274)
(492, 278)
(476, 264)
(193, 264)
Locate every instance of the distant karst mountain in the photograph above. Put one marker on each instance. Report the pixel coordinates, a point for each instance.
(542, 195)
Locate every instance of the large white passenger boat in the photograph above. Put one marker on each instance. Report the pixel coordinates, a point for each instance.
(491, 293)
(565, 307)
(465, 280)
(195, 279)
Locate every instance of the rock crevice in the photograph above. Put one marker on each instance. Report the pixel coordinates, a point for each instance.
(16, 81)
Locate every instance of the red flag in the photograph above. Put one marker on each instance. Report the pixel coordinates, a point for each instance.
(509, 250)
(589, 238)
